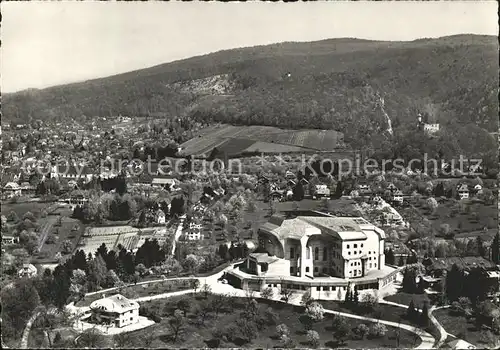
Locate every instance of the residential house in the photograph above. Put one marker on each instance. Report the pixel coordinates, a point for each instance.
(478, 189)
(397, 197)
(115, 310)
(11, 189)
(9, 240)
(28, 270)
(160, 216)
(194, 232)
(463, 191)
(164, 182)
(289, 175)
(321, 191)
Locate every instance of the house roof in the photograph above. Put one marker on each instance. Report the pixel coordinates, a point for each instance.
(12, 185)
(115, 303)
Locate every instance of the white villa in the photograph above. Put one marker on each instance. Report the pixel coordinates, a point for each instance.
(322, 254)
(115, 310)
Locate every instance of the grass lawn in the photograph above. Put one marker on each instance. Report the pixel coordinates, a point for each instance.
(459, 326)
(383, 311)
(200, 336)
(406, 298)
(473, 219)
(22, 208)
(143, 290)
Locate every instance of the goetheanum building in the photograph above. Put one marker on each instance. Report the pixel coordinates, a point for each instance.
(322, 253)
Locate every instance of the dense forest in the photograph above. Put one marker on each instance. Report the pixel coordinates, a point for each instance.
(349, 85)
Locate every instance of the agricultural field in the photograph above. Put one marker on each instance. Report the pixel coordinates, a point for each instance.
(22, 208)
(245, 139)
(63, 229)
(196, 334)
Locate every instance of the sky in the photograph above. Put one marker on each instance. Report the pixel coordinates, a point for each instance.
(52, 43)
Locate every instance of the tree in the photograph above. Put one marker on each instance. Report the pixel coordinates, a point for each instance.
(219, 302)
(92, 338)
(18, 304)
(369, 301)
(411, 312)
(267, 293)
(286, 294)
(184, 305)
(97, 272)
(340, 329)
(202, 312)
(195, 284)
(361, 330)
(444, 229)
(424, 320)
(306, 298)
(206, 289)
(123, 340)
(12, 216)
(432, 204)
(298, 192)
(282, 329)
(495, 249)
(67, 246)
(389, 257)
(315, 311)
(246, 329)
(141, 269)
(177, 324)
(313, 338)
(378, 330)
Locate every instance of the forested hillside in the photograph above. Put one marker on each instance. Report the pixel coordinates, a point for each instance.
(349, 85)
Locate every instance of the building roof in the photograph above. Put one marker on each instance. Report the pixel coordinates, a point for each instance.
(345, 228)
(263, 258)
(115, 303)
(162, 181)
(460, 344)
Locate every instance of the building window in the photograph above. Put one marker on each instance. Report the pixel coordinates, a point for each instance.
(131, 318)
(308, 253)
(315, 269)
(348, 253)
(307, 268)
(375, 265)
(370, 265)
(316, 253)
(291, 269)
(355, 272)
(361, 245)
(325, 253)
(355, 245)
(347, 246)
(318, 288)
(292, 253)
